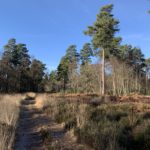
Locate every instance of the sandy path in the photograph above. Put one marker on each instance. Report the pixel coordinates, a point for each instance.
(30, 122)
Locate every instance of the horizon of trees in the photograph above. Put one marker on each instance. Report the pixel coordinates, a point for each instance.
(18, 72)
(120, 69)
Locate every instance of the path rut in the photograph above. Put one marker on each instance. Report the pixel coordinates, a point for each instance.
(31, 120)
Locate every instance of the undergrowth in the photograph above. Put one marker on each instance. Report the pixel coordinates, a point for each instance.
(112, 126)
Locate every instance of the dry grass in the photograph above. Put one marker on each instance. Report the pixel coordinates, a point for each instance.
(113, 125)
(9, 113)
(47, 103)
(31, 95)
(42, 100)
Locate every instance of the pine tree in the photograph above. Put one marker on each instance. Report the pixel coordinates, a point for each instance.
(103, 32)
(37, 73)
(63, 71)
(9, 76)
(21, 63)
(86, 53)
(72, 57)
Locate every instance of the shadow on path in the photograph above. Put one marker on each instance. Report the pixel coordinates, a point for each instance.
(28, 133)
(32, 121)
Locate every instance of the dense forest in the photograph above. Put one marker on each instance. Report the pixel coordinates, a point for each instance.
(18, 73)
(119, 69)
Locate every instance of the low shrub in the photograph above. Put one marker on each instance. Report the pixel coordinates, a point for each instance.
(108, 126)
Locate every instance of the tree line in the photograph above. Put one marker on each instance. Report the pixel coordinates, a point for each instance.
(119, 69)
(18, 72)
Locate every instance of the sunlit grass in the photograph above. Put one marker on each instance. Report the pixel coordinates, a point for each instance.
(9, 113)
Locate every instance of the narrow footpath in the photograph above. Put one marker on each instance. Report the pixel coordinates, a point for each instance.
(32, 121)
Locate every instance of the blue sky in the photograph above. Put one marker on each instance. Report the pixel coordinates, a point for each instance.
(48, 27)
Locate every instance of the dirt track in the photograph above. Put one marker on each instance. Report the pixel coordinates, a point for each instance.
(29, 137)
(30, 122)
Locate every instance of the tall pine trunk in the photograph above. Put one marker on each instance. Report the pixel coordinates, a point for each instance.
(103, 72)
(146, 85)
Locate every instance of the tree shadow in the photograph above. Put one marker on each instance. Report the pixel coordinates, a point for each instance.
(31, 120)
